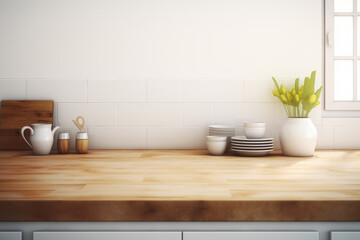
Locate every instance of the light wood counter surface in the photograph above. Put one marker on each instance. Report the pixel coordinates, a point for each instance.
(178, 185)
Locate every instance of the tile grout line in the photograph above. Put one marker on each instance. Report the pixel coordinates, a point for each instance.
(333, 137)
(26, 88)
(147, 90)
(243, 91)
(181, 115)
(116, 115)
(57, 114)
(87, 90)
(210, 102)
(213, 117)
(146, 135)
(182, 104)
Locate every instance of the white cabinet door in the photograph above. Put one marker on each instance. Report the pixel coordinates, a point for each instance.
(345, 235)
(251, 236)
(107, 236)
(10, 235)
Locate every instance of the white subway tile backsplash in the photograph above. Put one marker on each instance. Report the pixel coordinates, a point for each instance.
(95, 114)
(238, 113)
(58, 90)
(55, 114)
(177, 138)
(149, 114)
(239, 131)
(197, 114)
(117, 138)
(276, 136)
(169, 113)
(12, 89)
(347, 138)
(202, 90)
(163, 90)
(315, 115)
(325, 137)
(341, 122)
(259, 91)
(280, 114)
(133, 90)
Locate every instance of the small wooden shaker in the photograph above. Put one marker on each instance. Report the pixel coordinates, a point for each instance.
(82, 142)
(63, 143)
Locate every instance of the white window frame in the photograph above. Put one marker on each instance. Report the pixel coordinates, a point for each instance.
(330, 103)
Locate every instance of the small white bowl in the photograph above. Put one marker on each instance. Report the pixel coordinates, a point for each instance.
(254, 132)
(222, 127)
(223, 132)
(216, 148)
(254, 124)
(216, 139)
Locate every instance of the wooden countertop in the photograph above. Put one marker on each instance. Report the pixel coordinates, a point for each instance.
(179, 185)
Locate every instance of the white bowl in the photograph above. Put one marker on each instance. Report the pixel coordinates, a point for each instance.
(223, 127)
(222, 134)
(216, 139)
(254, 124)
(216, 148)
(213, 131)
(254, 132)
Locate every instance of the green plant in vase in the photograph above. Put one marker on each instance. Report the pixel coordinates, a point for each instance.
(299, 101)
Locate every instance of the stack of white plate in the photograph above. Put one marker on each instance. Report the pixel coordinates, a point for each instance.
(252, 147)
(223, 131)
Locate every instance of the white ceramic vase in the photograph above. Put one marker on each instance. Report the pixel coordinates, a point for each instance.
(298, 137)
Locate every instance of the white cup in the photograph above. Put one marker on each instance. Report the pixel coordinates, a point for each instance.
(216, 138)
(254, 130)
(216, 148)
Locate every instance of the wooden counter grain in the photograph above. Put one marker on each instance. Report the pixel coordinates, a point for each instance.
(179, 185)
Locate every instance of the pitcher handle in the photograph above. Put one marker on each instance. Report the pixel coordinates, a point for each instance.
(22, 134)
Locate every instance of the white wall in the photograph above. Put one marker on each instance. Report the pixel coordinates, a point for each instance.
(155, 73)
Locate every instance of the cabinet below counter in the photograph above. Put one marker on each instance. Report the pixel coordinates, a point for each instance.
(13, 235)
(180, 231)
(95, 235)
(179, 185)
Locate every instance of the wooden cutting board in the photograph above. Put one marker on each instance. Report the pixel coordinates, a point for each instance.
(15, 115)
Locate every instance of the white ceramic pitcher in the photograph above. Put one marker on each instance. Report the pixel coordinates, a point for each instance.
(41, 138)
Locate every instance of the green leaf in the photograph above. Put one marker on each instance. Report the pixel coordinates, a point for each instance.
(318, 92)
(312, 78)
(308, 91)
(297, 85)
(276, 84)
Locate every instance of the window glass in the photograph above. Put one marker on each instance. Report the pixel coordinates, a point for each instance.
(343, 80)
(343, 5)
(343, 36)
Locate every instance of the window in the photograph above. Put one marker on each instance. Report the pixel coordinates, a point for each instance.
(342, 55)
